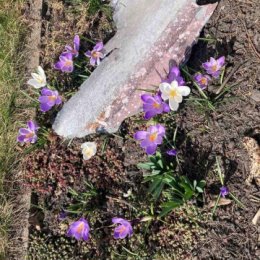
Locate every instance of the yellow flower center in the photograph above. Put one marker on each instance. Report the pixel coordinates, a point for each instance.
(215, 67)
(40, 80)
(52, 98)
(87, 152)
(95, 54)
(153, 137)
(156, 105)
(173, 93)
(29, 135)
(203, 81)
(121, 229)
(68, 63)
(80, 228)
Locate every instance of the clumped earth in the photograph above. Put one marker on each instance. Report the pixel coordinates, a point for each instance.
(110, 184)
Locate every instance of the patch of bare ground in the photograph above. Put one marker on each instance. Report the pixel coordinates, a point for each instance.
(113, 172)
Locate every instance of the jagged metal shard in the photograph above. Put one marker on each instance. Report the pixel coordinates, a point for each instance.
(149, 35)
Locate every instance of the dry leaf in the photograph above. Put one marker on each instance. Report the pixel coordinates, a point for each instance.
(222, 202)
(253, 150)
(256, 217)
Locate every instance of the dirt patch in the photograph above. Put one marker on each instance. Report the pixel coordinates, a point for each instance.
(236, 28)
(117, 188)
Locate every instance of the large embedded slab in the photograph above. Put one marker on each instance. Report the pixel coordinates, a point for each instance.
(149, 35)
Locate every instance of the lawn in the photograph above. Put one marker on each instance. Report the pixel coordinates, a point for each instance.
(12, 31)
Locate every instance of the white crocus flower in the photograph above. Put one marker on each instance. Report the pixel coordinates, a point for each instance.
(174, 93)
(38, 79)
(89, 149)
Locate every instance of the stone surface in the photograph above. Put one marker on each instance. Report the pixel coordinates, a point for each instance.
(149, 35)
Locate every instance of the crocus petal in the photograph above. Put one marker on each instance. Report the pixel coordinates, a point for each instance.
(165, 88)
(58, 101)
(76, 42)
(221, 61)
(68, 48)
(24, 131)
(117, 220)
(175, 70)
(173, 105)
(166, 108)
(34, 139)
(153, 129)
(140, 135)
(58, 65)
(147, 98)
(46, 92)
(174, 84)
(178, 98)
(45, 107)
(41, 73)
(20, 138)
(93, 61)
(99, 46)
(151, 149)
(144, 143)
(85, 235)
(149, 114)
(184, 90)
(32, 126)
(34, 83)
(88, 54)
(172, 152)
(161, 130)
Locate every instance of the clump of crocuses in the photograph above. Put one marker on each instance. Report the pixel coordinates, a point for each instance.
(65, 63)
(124, 228)
(214, 66)
(29, 134)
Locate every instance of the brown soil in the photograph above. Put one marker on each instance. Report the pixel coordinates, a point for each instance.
(236, 26)
(203, 134)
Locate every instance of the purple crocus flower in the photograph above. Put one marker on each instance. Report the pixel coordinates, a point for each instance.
(175, 74)
(224, 191)
(151, 138)
(74, 51)
(172, 152)
(65, 63)
(202, 80)
(48, 99)
(79, 230)
(28, 135)
(123, 230)
(213, 67)
(153, 105)
(96, 54)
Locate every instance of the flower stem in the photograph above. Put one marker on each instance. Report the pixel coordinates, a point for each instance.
(195, 84)
(215, 206)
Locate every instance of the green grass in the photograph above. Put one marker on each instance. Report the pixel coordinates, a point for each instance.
(11, 31)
